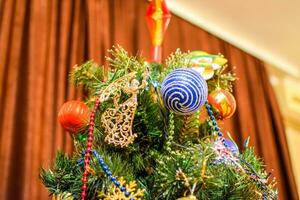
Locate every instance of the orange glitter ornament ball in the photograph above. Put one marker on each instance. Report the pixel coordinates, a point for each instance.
(223, 103)
(73, 116)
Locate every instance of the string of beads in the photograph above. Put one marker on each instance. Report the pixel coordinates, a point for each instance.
(214, 123)
(108, 172)
(87, 156)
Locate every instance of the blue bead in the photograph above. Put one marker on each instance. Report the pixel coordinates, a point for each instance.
(113, 178)
(101, 161)
(122, 189)
(214, 123)
(210, 112)
(80, 162)
(109, 173)
(127, 194)
(220, 133)
(131, 198)
(104, 167)
(117, 183)
(212, 118)
(155, 84)
(217, 128)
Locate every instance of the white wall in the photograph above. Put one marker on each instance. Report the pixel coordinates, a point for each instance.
(287, 89)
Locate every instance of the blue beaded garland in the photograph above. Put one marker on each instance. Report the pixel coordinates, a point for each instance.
(213, 119)
(108, 173)
(184, 91)
(117, 183)
(227, 143)
(127, 194)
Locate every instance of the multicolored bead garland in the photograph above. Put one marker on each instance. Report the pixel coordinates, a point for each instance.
(108, 172)
(87, 156)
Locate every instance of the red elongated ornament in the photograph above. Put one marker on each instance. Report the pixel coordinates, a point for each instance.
(158, 17)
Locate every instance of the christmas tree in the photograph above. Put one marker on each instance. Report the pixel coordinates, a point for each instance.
(148, 136)
(150, 131)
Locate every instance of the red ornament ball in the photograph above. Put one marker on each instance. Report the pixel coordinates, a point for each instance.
(74, 116)
(223, 103)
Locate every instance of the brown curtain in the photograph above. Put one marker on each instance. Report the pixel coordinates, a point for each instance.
(40, 40)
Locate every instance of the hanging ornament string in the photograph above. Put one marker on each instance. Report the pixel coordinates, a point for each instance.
(214, 123)
(87, 156)
(108, 172)
(158, 17)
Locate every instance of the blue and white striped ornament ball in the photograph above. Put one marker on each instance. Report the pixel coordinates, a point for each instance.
(184, 91)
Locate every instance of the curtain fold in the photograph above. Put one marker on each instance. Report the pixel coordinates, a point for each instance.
(40, 41)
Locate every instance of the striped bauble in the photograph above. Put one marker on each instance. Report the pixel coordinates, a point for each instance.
(184, 91)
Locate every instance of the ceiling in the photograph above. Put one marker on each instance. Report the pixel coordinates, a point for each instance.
(267, 29)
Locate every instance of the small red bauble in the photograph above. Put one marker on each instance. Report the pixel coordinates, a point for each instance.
(223, 103)
(74, 116)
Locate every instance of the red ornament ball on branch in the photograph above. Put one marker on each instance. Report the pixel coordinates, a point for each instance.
(223, 103)
(73, 116)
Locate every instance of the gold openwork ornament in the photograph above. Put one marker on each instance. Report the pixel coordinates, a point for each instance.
(117, 121)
